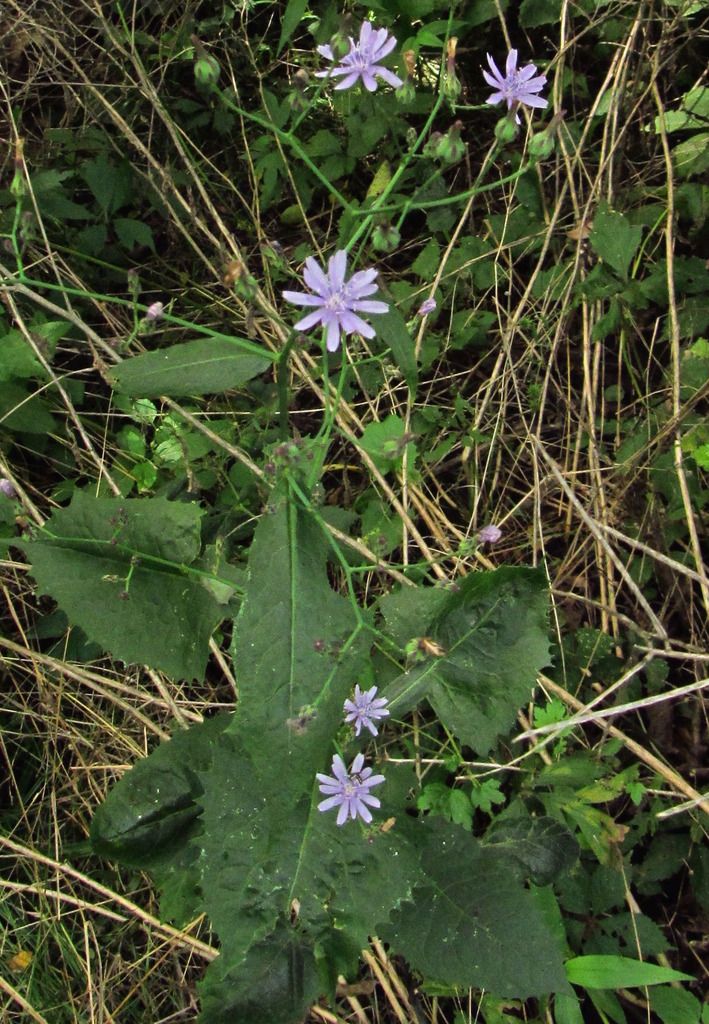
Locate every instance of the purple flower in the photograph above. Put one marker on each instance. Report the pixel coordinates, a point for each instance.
(515, 86)
(349, 790)
(361, 61)
(154, 311)
(490, 534)
(338, 301)
(427, 306)
(365, 708)
(8, 490)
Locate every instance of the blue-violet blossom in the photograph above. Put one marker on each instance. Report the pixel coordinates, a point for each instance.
(490, 534)
(349, 790)
(365, 708)
(515, 86)
(337, 301)
(362, 60)
(427, 306)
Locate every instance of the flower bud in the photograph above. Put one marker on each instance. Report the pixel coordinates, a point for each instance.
(406, 93)
(427, 306)
(340, 42)
(7, 489)
(505, 130)
(541, 145)
(451, 148)
(155, 311)
(385, 238)
(207, 71)
(431, 147)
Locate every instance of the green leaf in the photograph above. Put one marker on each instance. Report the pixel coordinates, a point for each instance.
(479, 924)
(567, 1009)
(493, 632)
(539, 12)
(23, 411)
(675, 1006)
(151, 813)
(85, 556)
(694, 112)
(274, 984)
(132, 233)
(391, 328)
(618, 972)
(692, 155)
(615, 239)
(543, 847)
(110, 183)
(17, 360)
(292, 17)
(385, 442)
(205, 366)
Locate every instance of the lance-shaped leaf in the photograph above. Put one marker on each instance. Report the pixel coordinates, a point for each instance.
(118, 568)
(298, 650)
(474, 924)
(490, 638)
(201, 367)
(150, 815)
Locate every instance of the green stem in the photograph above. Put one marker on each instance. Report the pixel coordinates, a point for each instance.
(242, 343)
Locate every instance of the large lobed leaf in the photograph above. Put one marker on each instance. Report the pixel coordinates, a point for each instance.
(491, 631)
(473, 923)
(163, 616)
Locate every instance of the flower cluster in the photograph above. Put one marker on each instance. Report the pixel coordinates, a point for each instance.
(362, 60)
(515, 87)
(349, 790)
(336, 300)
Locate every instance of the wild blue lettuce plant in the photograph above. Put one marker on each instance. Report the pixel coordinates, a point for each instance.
(236, 817)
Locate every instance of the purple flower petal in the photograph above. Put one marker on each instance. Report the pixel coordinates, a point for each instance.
(309, 321)
(302, 298)
(369, 306)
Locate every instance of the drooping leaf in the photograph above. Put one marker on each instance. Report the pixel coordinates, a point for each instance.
(99, 549)
(150, 815)
(491, 635)
(480, 924)
(204, 366)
